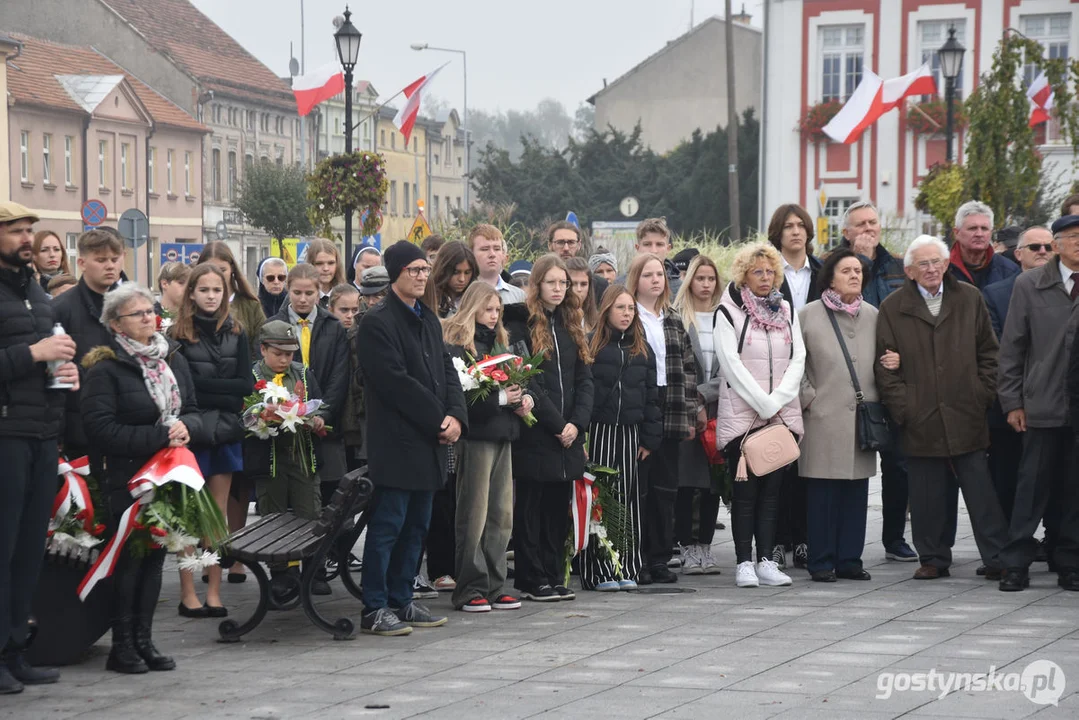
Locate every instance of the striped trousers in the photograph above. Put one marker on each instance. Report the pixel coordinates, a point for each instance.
(616, 446)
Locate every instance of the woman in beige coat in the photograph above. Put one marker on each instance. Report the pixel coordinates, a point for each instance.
(835, 470)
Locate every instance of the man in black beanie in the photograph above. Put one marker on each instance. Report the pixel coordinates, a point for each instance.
(415, 409)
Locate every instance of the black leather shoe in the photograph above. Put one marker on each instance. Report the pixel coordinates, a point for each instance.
(216, 611)
(981, 570)
(854, 575)
(8, 684)
(644, 577)
(1014, 580)
(663, 574)
(26, 674)
(1069, 579)
(994, 573)
(823, 576)
(320, 587)
(199, 612)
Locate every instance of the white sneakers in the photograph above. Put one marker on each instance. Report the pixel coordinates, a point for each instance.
(709, 566)
(765, 573)
(768, 573)
(691, 560)
(746, 575)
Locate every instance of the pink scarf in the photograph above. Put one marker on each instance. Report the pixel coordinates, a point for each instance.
(833, 302)
(766, 313)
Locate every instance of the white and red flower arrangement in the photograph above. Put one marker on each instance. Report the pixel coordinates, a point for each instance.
(272, 410)
(73, 528)
(494, 373)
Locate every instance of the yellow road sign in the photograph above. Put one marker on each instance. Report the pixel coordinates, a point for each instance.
(420, 230)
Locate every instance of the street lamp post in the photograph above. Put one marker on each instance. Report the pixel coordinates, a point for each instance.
(348, 39)
(468, 148)
(951, 63)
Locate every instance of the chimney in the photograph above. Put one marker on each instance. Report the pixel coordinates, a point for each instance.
(742, 17)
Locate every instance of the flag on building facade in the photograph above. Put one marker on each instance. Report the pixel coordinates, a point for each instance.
(406, 116)
(316, 86)
(873, 97)
(1040, 93)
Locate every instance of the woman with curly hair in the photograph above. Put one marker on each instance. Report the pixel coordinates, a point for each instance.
(549, 457)
(454, 270)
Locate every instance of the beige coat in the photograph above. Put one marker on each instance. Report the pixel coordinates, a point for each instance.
(830, 447)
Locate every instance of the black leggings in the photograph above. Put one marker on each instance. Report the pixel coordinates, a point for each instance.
(754, 506)
(706, 517)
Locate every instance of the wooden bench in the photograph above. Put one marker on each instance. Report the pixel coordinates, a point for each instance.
(282, 538)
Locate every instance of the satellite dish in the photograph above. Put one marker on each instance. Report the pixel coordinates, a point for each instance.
(293, 67)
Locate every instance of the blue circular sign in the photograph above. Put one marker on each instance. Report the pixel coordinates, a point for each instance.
(94, 212)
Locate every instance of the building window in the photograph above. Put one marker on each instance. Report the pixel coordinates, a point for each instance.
(46, 159)
(434, 160)
(250, 119)
(834, 210)
(458, 162)
(24, 156)
(102, 156)
(232, 176)
(366, 131)
(932, 34)
(842, 54)
(415, 144)
(337, 126)
(1052, 31)
(69, 170)
(151, 171)
(458, 202)
(125, 151)
(168, 171)
(382, 138)
(393, 141)
(434, 206)
(449, 206)
(393, 197)
(187, 174)
(407, 209)
(215, 174)
(249, 160)
(416, 195)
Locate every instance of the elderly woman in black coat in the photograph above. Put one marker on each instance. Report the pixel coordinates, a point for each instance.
(549, 457)
(137, 399)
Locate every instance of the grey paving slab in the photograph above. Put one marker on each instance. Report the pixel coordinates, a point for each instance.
(805, 651)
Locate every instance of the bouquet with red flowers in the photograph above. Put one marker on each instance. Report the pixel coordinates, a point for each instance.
(497, 372)
(271, 410)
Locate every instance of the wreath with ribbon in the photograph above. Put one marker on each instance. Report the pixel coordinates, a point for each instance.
(355, 181)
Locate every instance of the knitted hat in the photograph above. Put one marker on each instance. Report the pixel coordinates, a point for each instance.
(600, 258)
(401, 254)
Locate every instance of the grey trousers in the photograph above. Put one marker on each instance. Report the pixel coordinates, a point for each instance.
(484, 519)
(930, 480)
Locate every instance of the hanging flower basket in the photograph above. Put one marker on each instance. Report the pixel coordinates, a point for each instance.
(341, 181)
(811, 124)
(931, 117)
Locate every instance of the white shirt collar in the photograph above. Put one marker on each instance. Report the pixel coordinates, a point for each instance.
(787, 265)
(927, 296)
(1066, 273)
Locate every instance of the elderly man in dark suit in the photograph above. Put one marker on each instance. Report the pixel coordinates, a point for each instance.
(415, 408)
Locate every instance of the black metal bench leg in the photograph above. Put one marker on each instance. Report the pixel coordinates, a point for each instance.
(350, 539)
(229, 630)
(342, 628)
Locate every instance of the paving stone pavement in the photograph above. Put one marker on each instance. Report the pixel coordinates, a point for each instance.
(805, 651)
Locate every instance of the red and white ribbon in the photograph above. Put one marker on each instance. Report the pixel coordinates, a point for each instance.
(74, 490)
(581, 507)
(495, 360)
(166, 466)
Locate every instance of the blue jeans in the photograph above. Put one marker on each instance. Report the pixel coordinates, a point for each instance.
(395, 533)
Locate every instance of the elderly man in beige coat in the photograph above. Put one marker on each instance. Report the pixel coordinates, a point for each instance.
(835, 470)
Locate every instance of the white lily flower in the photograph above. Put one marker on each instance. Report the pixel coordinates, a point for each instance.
(175, 542)
(290, 417)
(275, 393)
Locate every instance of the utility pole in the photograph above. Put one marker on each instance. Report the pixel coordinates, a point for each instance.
(732, 132)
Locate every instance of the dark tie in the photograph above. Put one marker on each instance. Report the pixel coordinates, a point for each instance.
(1075, 286)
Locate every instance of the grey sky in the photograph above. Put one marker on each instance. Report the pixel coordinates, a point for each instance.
(518, 52)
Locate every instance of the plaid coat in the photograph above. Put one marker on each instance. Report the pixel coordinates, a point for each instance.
(679, 398)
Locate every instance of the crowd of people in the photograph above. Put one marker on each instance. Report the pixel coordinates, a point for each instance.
(956, 367)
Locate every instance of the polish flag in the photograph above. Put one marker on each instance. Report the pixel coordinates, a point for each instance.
(873, 97)
(316, 86)
(1041, 95)
(406, 116)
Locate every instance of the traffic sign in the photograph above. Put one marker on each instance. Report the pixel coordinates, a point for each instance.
(94, 212)
(629, 206)
(420, 230)
(187, 253)
(134, 227)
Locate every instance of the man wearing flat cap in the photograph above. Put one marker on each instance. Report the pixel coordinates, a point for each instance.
(30, 418)
(1033, 391)
(415, 409)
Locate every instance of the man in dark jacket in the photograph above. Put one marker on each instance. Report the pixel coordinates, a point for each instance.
(1033, 392)
(861, 233)
(972, 257)
(101, 259)
(939, 398)
(415, 408)
(30, 416)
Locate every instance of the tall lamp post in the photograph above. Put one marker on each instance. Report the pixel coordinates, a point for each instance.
(951, 63)
(348, 38)
(468, 149)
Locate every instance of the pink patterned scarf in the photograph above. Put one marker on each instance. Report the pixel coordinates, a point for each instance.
(833, 302)
(766, 313)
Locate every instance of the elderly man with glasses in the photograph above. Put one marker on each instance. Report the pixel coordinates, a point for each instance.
(939, 397)
(1032, 386)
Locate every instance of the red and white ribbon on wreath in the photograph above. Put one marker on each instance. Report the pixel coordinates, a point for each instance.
(495, 360)
(166, 466)
(74, 490)
(581, 507)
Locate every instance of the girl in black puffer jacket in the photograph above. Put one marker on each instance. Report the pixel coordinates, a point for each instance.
(549, 457)
(216, 349)
(484, 469)
(627, 426)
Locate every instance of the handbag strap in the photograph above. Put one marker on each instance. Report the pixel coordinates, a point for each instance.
(858, 396)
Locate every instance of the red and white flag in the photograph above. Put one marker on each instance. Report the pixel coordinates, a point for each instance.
(406, 116)
(1041, 95)
(872, 98)
(316, 86)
